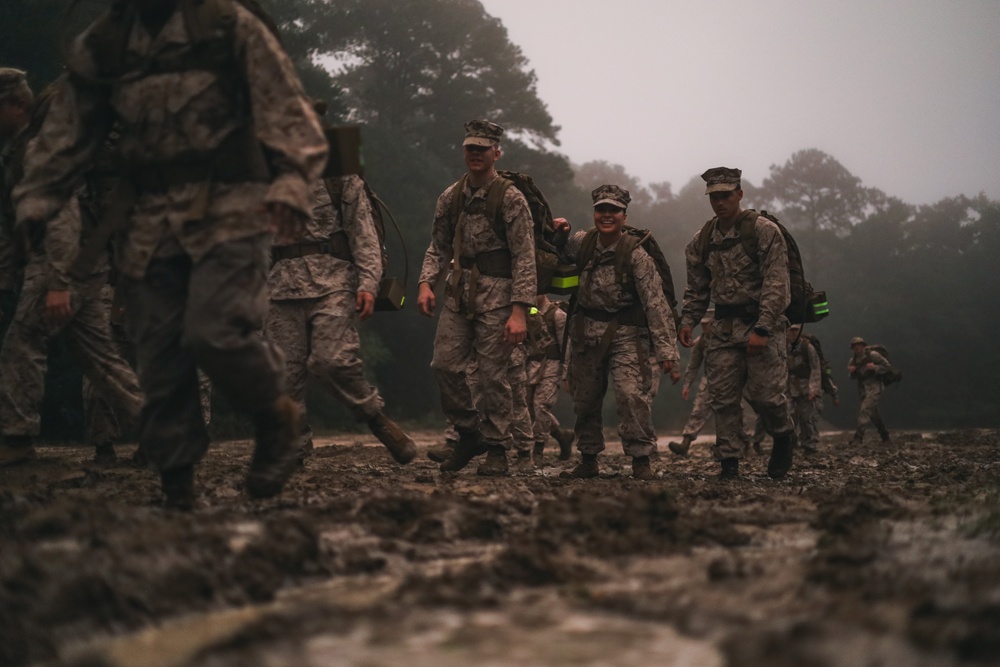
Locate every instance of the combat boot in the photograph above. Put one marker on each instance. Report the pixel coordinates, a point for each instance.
(858, 439)
(781, 455)
(389, 434)
(884, 434)
(681, 448)
(305, 451)
(565, 438)
(495, 464)
(538, 454)
(523, 462)
(104, 455)
(275, 456)
(641, 469)
(467, 448)
(588, 468)
(730, 468)
(178, 488)
(440, 452)
(17, 449)
(757, 446)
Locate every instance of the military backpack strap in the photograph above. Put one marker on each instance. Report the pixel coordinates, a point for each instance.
(494, 205)
(624, 271)
(748, 233)
(705, 239)
(457, 219)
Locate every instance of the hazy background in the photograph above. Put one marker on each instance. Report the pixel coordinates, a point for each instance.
(906, 95)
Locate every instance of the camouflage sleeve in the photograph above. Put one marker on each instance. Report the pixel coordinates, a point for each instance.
(772, 257)
(559, 319)
(568, 252)
(521, 241)
(815, 371)
(283, 117)
(75, 126)
(658, 313)
(441, 247)
(697, 359)
(361, 234)
(698, 292)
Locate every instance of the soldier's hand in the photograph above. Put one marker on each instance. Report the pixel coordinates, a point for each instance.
(851, 369)
(561, 225)
(426, 301)
(516, 329)
(666, 366)
(756, 344)
(57, 306)
(684, 336)
(364, 305)
(870, 366)
(675, 374)
(686, 393)
(285, 223)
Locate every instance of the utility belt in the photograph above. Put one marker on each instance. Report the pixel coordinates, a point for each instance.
(747, 312)
(634, 315)
(494, 263)
(337, 245)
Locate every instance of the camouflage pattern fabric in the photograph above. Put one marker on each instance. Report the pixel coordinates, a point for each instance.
(194, 217)
(317, 275)
(803, 358)
(870, 389)
(545, 375)
(521, 428)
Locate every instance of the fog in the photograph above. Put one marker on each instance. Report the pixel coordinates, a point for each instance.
(905, 95)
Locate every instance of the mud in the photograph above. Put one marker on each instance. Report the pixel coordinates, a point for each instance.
(873, 555)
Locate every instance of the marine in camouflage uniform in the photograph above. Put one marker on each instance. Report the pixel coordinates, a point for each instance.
(545, 376)
(805, 389)
(867, 367)
(617, 325)
(745, 352)
(491, 286)
(201, 102)
(321, 286)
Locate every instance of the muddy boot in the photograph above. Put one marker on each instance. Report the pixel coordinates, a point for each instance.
(641, 469)
(178, 488)
(781, 455)
(17, 449)
(305, 451)
(588, 468)
(389, 434)
(138, 458)
(565, 438)
(275, 456)
(523, 462)
(757, 446)
(440, 452)
(858, 439)
(681, 448)
(495, 464)
(467, 448)
(730, 468)
(538, 454)
(884, 434)
(104, 455)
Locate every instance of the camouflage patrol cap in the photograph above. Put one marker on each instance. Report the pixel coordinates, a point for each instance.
(11, 81)
(794, 327)
(857, 340)
(482, 133)
(611, 194)
(721, 179)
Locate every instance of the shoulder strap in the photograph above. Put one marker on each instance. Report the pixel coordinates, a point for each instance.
(587, 248)
(623, 256)
(494, 204)
(748, 233)
(705, 238)
(335, 188)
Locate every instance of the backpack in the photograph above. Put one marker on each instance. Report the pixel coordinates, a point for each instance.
(391, 293)
(891, 376)
(826, 373)
(632, 237)
(546, 256)
(806, 305)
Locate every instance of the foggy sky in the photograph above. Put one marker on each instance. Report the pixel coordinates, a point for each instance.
(906, 94)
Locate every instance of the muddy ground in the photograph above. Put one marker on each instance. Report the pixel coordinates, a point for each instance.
(874, 555)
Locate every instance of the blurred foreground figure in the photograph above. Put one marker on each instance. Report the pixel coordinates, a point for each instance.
(745, 350)
(219, 145)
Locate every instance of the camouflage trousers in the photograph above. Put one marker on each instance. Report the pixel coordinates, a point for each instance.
(24, 358)
(702, 410)
(761, 378)
(319, 338)
(805, 414)
(457, 342)
(544, 378)
(868, 414)
(627, 363)
(184, 316)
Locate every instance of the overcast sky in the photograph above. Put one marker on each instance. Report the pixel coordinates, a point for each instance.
(905, 94)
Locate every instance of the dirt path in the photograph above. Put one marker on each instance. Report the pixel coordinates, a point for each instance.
(882, 555)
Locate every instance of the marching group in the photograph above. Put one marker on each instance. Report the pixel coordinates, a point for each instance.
(239, 259)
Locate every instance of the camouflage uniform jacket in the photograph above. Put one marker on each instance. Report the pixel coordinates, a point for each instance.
(730, 278)
(166, 115)
(553, 329)
(317, 275)
(866, 376)
(804, 372)
(600, 291)
(697, 359)
(478, 237)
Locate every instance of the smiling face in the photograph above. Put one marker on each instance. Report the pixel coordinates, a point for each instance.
(608, 220)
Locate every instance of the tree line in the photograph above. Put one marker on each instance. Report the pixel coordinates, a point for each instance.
(915, 278)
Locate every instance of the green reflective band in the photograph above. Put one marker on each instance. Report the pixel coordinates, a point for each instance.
(402, 301)
(533, 311)
(564, 282)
